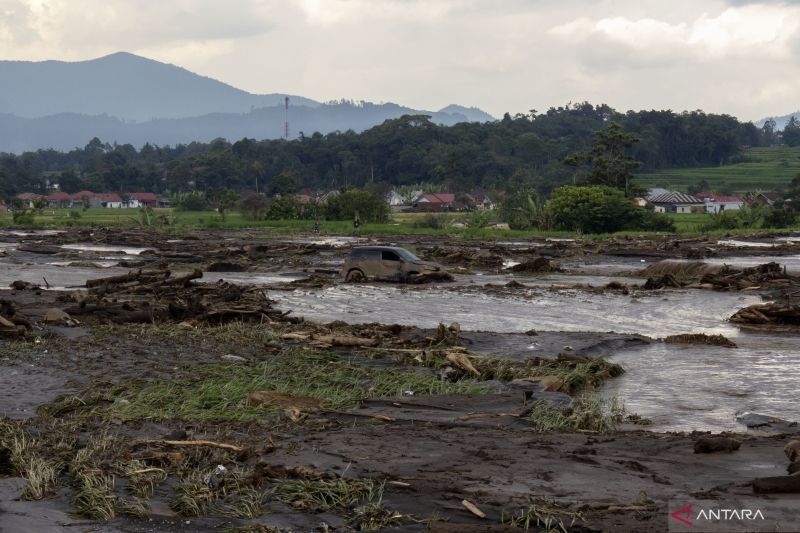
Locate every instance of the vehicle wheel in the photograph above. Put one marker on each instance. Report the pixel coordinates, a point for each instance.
(413, 278)
(354, 276)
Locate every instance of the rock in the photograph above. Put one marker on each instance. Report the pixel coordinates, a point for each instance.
(769, 423)
(225, 266)
(538, 264)
(59, 317)
(716, 444)
(794, 468)
(792, 450)
(233, 358)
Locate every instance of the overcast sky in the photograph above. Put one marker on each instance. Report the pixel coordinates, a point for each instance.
(734, 56)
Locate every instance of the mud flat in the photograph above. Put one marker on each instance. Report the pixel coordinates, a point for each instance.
(278, 398)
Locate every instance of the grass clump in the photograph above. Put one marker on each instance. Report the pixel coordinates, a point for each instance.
(543, 515)
(575, 374)
(589, 412)
(219, 391)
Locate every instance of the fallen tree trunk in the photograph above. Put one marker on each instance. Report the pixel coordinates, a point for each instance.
(777, 485)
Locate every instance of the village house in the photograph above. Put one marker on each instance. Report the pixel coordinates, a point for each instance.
(436, 202)
(764, 199)
(676, 202)
(479, 201)
(717, 203)
(29, 199)
(142, 199)
(58, 200)
(395, 199)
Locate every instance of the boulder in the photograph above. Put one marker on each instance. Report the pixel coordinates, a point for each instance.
(792, 450)
(58, 317)
(716, 444)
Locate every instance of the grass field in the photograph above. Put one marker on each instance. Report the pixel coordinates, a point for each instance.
(766, 169)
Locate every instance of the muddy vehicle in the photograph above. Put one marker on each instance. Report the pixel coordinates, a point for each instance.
(389, 263)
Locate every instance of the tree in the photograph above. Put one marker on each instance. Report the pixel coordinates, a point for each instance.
(601, 209)
(791, 132)
(524, 210)
(352, 202)
(254, 206)
(608, 162)
(226, 200)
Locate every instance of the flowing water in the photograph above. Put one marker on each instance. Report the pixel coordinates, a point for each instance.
(679, 387)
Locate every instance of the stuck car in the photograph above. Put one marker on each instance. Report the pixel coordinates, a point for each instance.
(390, 263)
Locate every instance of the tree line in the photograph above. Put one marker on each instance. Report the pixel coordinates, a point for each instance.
(520, 151)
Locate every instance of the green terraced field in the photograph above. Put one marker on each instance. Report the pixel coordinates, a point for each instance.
(766, 169)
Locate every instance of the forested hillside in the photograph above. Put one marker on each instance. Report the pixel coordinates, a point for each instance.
(522, 150)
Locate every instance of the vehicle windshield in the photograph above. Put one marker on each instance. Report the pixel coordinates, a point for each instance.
(405, 254)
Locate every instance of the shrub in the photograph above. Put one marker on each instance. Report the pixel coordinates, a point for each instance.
(596, 209)
(368, 206)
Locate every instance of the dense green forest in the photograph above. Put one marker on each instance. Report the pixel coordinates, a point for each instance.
(526, 150)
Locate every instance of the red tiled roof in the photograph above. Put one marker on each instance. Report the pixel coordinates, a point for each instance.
(58, 197)
(83, 194)
(109, 197)
(29, 196)
(144, 196)
(728, 199)
(440, 197)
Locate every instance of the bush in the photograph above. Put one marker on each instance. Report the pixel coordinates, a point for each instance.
(23, 217)
(192, 201)
(254, 207)
(368, 206)
(779, 217)
(431, 221)
(744, 218)
(595, 209)
(525, 210)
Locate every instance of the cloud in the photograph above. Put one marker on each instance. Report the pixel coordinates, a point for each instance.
(502, 55)
(761, 31)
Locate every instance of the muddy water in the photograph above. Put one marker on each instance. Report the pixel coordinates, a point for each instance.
(680, 387)
(705, 388)
(563, 310)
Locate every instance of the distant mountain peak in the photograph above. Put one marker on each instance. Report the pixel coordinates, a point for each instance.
(473, 114)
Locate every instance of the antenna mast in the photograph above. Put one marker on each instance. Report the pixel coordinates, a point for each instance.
(286, 118)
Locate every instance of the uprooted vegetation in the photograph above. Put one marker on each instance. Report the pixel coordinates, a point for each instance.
(672, 274)
(589, 412)
(156, 296)
(700, 338)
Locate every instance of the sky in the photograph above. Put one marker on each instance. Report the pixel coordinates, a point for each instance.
(724, 56)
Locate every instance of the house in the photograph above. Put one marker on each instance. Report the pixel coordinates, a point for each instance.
(764, 199)
(110, 200)
(29, 199)
(304, 198)
(676, 202)
(479, 201)
(323, 198)
(142, 199)
(437, 202)
(3, 208)
(85, 199)
(59, 199)
(395, 199)
(640, 201)
(717, 203)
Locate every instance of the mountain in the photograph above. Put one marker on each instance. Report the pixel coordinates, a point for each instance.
(66, 131)
(122, 85)
(131, 99)
(780, 122)
(471, 114)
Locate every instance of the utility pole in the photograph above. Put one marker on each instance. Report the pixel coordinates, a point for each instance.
(286, 118)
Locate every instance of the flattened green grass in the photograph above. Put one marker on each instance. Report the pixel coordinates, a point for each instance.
(219, 391)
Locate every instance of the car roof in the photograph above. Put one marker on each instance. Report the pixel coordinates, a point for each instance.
(378, 248)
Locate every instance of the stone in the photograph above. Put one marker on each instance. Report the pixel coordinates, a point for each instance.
(792, 450)
(716, 444)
